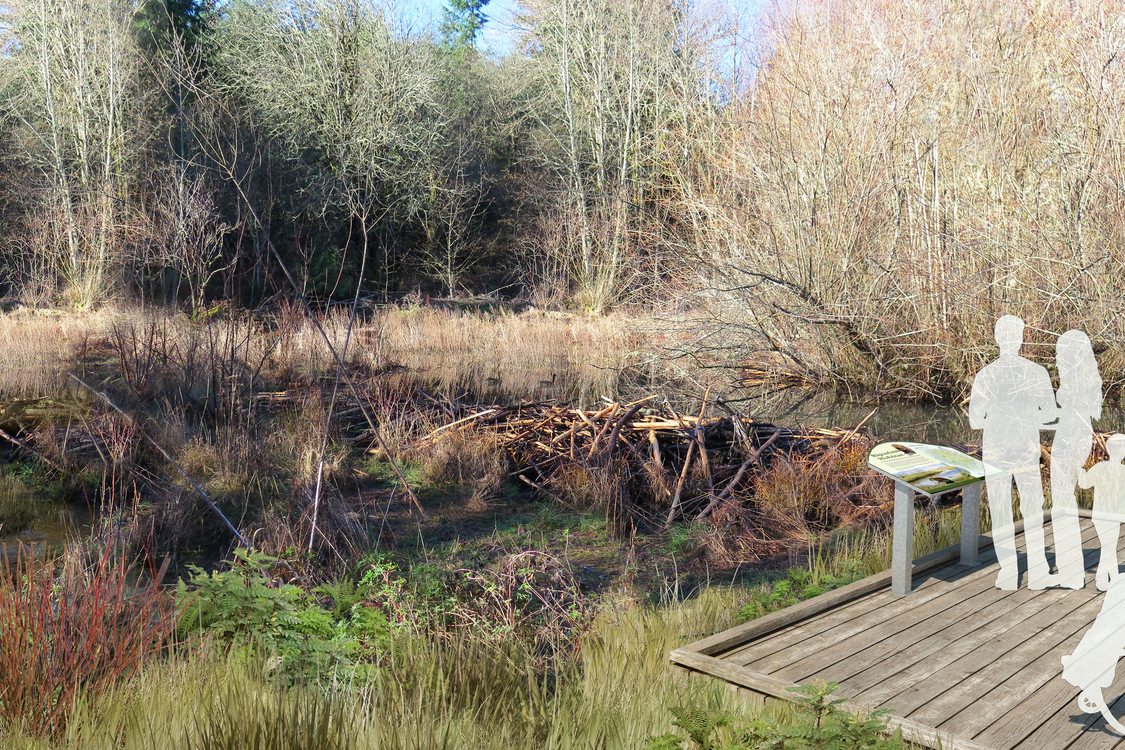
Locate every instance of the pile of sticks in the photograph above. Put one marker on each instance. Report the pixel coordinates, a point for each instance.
(725, 450)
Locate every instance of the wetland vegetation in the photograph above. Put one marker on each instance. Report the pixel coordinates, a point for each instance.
(365, 388)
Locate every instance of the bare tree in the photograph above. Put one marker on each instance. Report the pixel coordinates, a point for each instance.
(186, 234)
(330, 79)
(609, 71)
(898, 176)
(449, 219)
(83, 117)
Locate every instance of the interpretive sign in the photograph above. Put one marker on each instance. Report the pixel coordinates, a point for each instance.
(929, 469)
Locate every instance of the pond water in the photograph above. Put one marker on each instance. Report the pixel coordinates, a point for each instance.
(892, 420)
(51, 523)
(918, 421)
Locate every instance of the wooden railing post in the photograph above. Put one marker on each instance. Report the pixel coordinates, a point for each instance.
(902, 543)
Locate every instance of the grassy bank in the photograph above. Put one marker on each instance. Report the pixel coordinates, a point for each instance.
(615, 689)
(372, 660)
(426, 694)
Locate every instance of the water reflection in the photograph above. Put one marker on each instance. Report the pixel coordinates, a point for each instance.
(893, 420)
(27, 520)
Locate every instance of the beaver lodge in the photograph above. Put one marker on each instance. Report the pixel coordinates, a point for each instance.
(957, 663)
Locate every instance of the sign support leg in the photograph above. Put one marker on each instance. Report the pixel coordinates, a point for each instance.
(902, 544)
(970, 524)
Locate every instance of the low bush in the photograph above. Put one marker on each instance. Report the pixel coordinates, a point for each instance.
(247, 609)
(821, 725)
(797, 585)
(66, 633)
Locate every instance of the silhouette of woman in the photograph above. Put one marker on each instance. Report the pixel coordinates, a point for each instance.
(1080, 401)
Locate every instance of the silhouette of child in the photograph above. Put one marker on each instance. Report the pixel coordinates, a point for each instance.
(1108, 480)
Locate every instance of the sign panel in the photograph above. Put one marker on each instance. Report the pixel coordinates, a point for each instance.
(929, 469)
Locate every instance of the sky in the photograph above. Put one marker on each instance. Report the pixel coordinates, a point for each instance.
(500, 35)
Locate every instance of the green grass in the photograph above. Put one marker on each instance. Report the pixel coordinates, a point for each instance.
(452, 692)
(453, 686)
(428, 693)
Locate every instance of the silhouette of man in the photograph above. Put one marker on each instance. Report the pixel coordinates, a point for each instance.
(1011, 400)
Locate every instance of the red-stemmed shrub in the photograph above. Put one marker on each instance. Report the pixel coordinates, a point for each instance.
(67, 632)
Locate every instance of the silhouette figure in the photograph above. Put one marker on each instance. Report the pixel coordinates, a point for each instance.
(1108, 480)
(1011, 401)
(1093, 665)
(1080, 401)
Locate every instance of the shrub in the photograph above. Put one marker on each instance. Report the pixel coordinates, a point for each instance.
(245, 608)
(65, 633)
(821, 725)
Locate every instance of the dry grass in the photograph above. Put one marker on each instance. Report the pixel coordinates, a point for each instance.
(534, 354)
(527, 355)
(473, 462)
(38, 346)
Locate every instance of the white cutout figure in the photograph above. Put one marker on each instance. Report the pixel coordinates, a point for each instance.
(1093, 665)
(1011, 401)
(1108, 480)
(1080, 401)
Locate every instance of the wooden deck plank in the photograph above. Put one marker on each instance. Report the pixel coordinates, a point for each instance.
(911, 660)
(1025, 688)
(807, 638)
(927, 585)
(787, 636)
(901, 672)
(1066, 725)
(975, 672)
(916, 622)
(1059, 727)
(878, 584)
(1095, 734)
(841, 615)
(976, 605)
(957, 661)
(1023, 702)
(1012, 679)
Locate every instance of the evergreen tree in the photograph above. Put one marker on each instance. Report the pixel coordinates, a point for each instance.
(190, 20)
(463, 21)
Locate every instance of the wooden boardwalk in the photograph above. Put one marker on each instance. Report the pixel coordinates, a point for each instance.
(957, 663)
